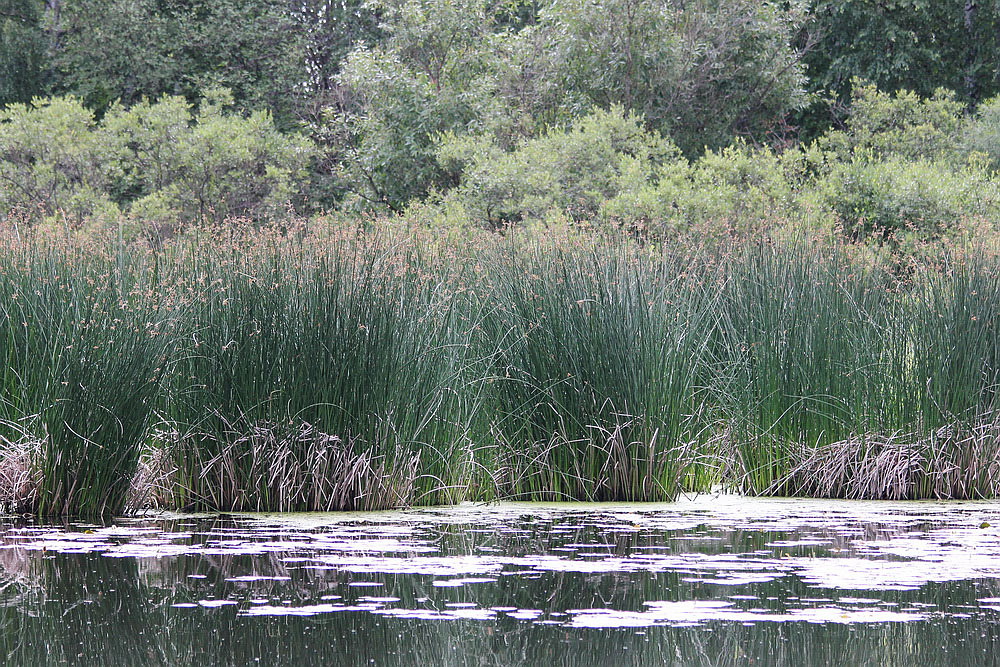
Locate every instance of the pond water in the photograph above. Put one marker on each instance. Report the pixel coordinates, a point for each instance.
(714, 580)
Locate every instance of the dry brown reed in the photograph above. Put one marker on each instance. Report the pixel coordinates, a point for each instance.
(286, 468)
(954, 462)
(20, 477)
(151, 485)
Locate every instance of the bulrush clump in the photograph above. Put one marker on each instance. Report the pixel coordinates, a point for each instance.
(19, 478)
(343, 367)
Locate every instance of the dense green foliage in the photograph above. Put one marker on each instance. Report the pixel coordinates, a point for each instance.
(574, 170)
(901, 169)
(493, 112)
(22, 50)
(918, 45)
(701, 71)
(271, 54)
(337, 369)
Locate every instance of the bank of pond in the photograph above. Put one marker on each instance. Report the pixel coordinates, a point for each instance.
(338, 368)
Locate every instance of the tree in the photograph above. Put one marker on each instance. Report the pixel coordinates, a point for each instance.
(126, 50)
(918, 45)
(22, 50)
(702, 71)
(435, 72)
(330, 29)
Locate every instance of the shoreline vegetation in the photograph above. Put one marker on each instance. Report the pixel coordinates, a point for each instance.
(329, 366)
(290, 256)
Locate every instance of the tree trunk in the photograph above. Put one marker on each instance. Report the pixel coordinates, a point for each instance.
(971, 52)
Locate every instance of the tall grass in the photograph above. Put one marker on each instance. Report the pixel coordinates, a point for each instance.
(84, 345)
(332, 360)
(274, 369)
(596, 354)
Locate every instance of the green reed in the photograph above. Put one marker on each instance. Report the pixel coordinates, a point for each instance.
(84, 350)
(955, 315)
(340, 369)
(831, 362)
(800, 354)
(319, 374)
(596, 357)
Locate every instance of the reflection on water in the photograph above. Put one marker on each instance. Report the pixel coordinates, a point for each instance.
(713, 581)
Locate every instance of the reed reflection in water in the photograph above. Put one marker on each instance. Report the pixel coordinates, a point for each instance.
(713, 582)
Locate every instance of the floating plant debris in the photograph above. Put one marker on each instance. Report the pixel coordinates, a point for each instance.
(703, 575)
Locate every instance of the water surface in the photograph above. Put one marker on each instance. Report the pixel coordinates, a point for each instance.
(717, 580)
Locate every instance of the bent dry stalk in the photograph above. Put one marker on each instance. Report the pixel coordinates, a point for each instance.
(958, 461)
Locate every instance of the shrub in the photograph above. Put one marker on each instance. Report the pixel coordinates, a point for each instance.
(52, 162)
(206, 166)
(738, 189)
(155, 160)
(890, 198)
(573, 170)
(902, 125)
(982, 133)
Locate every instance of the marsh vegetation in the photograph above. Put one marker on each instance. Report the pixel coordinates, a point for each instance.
(309, 256)
(344, 368)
